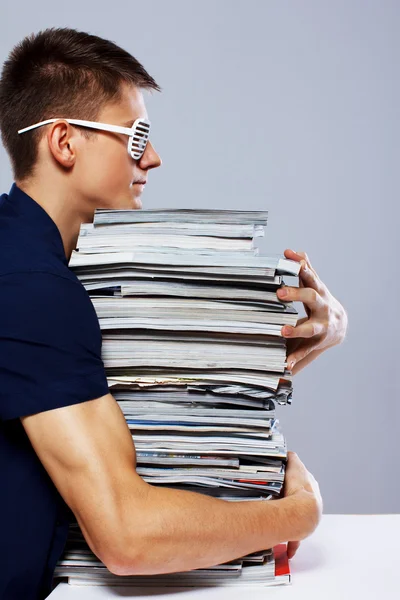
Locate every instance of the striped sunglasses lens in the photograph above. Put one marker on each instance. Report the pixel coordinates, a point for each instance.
(139, 138)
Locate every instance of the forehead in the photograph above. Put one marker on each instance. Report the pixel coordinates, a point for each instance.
(129, 107)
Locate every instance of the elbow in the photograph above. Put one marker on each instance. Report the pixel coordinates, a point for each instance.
(116, 566)
(126, 551)
(129, 561)
(122, 541)
(119, 549)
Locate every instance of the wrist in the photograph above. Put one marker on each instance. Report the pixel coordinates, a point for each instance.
(302, 512)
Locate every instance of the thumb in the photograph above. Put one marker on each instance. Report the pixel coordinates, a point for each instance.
(292, 548)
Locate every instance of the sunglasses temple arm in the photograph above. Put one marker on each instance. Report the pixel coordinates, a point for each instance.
(36, 125)
(101, 126)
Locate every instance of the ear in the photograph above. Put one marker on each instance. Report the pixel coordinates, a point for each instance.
(61, 140)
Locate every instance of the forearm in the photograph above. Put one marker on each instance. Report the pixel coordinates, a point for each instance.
(181, 530)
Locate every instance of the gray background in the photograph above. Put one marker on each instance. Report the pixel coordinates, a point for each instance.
(291, 107)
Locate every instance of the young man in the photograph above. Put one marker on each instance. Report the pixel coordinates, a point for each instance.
(64, 443)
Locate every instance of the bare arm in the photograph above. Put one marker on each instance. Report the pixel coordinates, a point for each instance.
(137, 528)
(185, 530)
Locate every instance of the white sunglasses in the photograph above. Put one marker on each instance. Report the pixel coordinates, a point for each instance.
(138, 133)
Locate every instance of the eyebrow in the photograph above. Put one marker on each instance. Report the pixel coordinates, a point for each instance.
(130, 123)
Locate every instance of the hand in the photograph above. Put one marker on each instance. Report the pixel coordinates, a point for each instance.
(326, 322)
(297, 480)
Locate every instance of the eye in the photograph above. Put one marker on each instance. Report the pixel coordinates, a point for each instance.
(140, 136)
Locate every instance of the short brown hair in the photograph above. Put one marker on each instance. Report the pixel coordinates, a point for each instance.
(60, 72)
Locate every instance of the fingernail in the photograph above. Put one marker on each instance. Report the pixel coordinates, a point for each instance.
(282, 292)
(287, 331)
(291, 365)
(304, 264)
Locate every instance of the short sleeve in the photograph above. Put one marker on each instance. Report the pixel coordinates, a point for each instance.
(50, 344)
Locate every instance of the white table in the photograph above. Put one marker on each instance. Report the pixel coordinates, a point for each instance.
(348, 557)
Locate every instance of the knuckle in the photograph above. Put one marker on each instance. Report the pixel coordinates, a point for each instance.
(327, 324)
(325, 310)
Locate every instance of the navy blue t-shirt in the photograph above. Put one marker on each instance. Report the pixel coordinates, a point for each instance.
(50, 356)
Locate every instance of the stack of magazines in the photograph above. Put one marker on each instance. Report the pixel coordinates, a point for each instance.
(194, 356)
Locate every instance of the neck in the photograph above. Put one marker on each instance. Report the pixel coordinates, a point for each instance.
(64, 208)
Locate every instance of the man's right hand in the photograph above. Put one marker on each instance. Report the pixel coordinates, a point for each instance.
(300, 482)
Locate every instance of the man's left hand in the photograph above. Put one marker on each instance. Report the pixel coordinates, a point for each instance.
(326, 322)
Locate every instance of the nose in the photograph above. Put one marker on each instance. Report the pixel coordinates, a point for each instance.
(149, 159)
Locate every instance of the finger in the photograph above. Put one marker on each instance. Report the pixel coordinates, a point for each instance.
(302, 257)
(292, 457)
(301, 285)
(295, 472)
(285, 295)
(303, 351)
(289, 253)
(282, 296)
(292, 344)
(293, 255)
(292, 548)
(293, 463)
(307, 295)
(309, 277)
(309, 329)
(305, 257)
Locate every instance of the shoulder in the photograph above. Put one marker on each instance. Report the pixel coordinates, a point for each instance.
(50, 344)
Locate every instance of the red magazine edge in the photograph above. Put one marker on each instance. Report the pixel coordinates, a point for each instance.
(281, 560)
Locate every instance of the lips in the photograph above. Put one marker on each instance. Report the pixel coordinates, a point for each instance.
(141, 181)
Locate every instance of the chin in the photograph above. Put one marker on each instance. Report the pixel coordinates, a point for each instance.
(136, 202)
(129, 201)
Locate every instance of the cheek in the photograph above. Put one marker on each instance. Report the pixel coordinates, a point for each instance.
(115, 165)
(106, 171)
